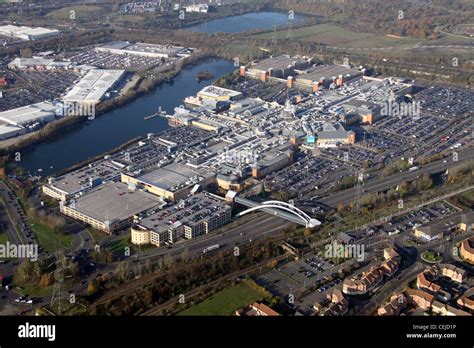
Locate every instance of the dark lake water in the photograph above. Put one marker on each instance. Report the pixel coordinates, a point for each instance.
(120, 125)
(245, 22)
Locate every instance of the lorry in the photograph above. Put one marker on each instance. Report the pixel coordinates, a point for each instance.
(211, 248)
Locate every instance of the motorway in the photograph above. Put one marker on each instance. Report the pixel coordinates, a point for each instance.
(385, 183)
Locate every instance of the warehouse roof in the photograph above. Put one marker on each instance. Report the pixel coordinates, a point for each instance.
(93, 86)
(328, 72)
(114, 201)
(141, 48)
(280, 62)
(172, 177)
(28, 114)
(21, 31)
(9, 130)
(215, 92)
(337, 134)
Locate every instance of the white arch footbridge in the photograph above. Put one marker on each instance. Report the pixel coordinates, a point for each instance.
(281, 209)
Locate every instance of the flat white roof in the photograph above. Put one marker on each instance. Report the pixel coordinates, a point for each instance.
(19, 62)
(141, 48)
(114, 201)
(21, 31)
(93, 86)
(28, 114)
(215, 92)
(7, 129)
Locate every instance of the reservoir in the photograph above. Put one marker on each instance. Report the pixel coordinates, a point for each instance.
(247, 21)
(122, 124)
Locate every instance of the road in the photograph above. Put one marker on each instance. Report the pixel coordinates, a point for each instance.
(11, 214)
(384, 183)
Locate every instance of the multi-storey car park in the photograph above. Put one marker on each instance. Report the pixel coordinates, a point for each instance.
(110, 207)
(194, 216)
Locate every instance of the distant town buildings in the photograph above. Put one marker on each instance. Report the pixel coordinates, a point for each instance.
(200, 8)
(140, 7)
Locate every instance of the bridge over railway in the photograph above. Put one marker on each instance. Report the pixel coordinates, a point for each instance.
(281, 209)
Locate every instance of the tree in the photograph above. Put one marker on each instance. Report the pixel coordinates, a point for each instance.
(47, 279)
(25, 270)
(92, 287)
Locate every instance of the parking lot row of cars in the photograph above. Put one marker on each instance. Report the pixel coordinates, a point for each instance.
(302, 176)
(30, 87)
(116, 61)
(446, 101)
(20, 215)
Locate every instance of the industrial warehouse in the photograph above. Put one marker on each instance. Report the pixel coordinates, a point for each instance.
(25, 119)
(27, 33)
(300, 72)
(78, 97)
(93, 86)
(144, 49)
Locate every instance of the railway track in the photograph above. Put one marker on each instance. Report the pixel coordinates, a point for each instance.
(157, 309)
(149, 279)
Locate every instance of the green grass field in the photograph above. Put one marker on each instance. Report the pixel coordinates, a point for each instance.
(334, 35)
(81, 13)
(34, 289)
(227, 301)
(119, 245)
(3, 237)
(48, 239)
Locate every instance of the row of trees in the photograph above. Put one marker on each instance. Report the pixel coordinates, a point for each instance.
(54, 221)
(42, 271)
(405, 189)
(180, 277)
(401, 18)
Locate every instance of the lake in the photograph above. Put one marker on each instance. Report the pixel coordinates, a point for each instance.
(247, 21)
